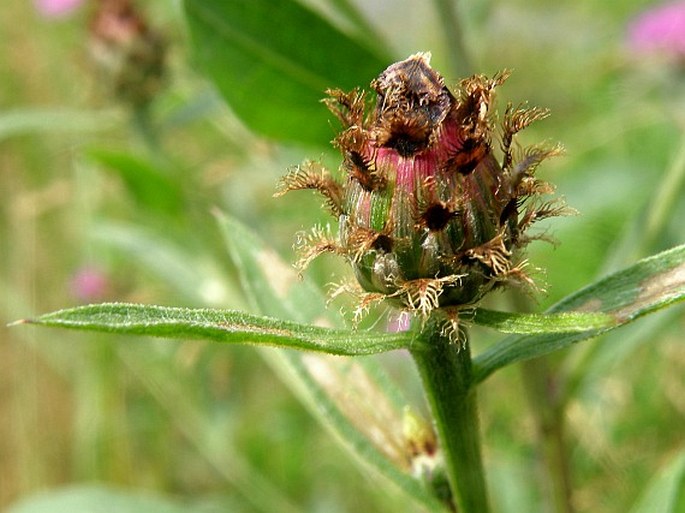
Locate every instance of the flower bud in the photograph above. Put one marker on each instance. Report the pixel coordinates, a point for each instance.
(428, 215)
(130, 54)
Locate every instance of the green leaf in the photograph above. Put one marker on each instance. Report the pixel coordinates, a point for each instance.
(645, 287)
(665, 493)
(147, 184)
(175, 262)
(224, 326)
(272, 286)
(272, 61)
(29, 120)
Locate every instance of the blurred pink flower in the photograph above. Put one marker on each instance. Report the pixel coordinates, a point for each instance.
(660, 29)
(56, 8)
(89, 284)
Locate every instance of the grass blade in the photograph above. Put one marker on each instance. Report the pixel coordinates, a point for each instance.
(665, 493)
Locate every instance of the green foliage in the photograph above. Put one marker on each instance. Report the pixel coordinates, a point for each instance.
(620, 298)
(665, 493)
(152, 190)
(105, 500)
(89, 183)
(275, 78)
(23, 121)
(263, 276)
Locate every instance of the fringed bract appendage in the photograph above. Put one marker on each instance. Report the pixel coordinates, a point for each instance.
(434, 197)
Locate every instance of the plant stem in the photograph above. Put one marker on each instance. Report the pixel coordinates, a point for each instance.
(545, 392)
(546, 400)
(145, 130)
(665, 197)
(445, 369)
(454, 36)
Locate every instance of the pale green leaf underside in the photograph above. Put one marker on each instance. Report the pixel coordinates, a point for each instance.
(58, 120)
(533, 324)
(665, 493)
(88, 499)
(230, 326)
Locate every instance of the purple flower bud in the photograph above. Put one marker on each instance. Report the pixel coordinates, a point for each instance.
(429, 217)
(130, 54)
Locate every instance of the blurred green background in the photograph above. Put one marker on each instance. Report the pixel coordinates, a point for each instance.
(100, 204)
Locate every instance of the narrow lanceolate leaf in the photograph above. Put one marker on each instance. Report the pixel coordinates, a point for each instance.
(645, 287)
(272, 61)
(219, 326)
(532, 324)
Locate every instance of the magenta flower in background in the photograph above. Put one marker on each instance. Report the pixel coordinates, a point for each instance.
(89, 284)
(659, 30)
(56, 8)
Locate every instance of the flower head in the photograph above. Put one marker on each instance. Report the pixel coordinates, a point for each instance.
(128, 51)
(428, 216)
(89, 284)
(660, 29)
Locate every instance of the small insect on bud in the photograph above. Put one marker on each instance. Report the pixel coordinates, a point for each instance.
(128, 52)
(429, 217)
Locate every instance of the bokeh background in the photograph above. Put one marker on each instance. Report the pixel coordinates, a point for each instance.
(105, 201)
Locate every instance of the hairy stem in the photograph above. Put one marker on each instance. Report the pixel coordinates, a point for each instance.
(445, 369)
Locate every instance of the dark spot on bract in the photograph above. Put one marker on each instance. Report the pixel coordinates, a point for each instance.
(407, 132)
(468, 156)
(360, 169)
(509, 210)
(405, 146)
(436, 217)
(383, 243)
(468, 145)
(467, 167)
(357, 160)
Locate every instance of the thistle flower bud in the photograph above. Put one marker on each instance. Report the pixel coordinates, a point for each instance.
(130, 54)
(428, 215)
